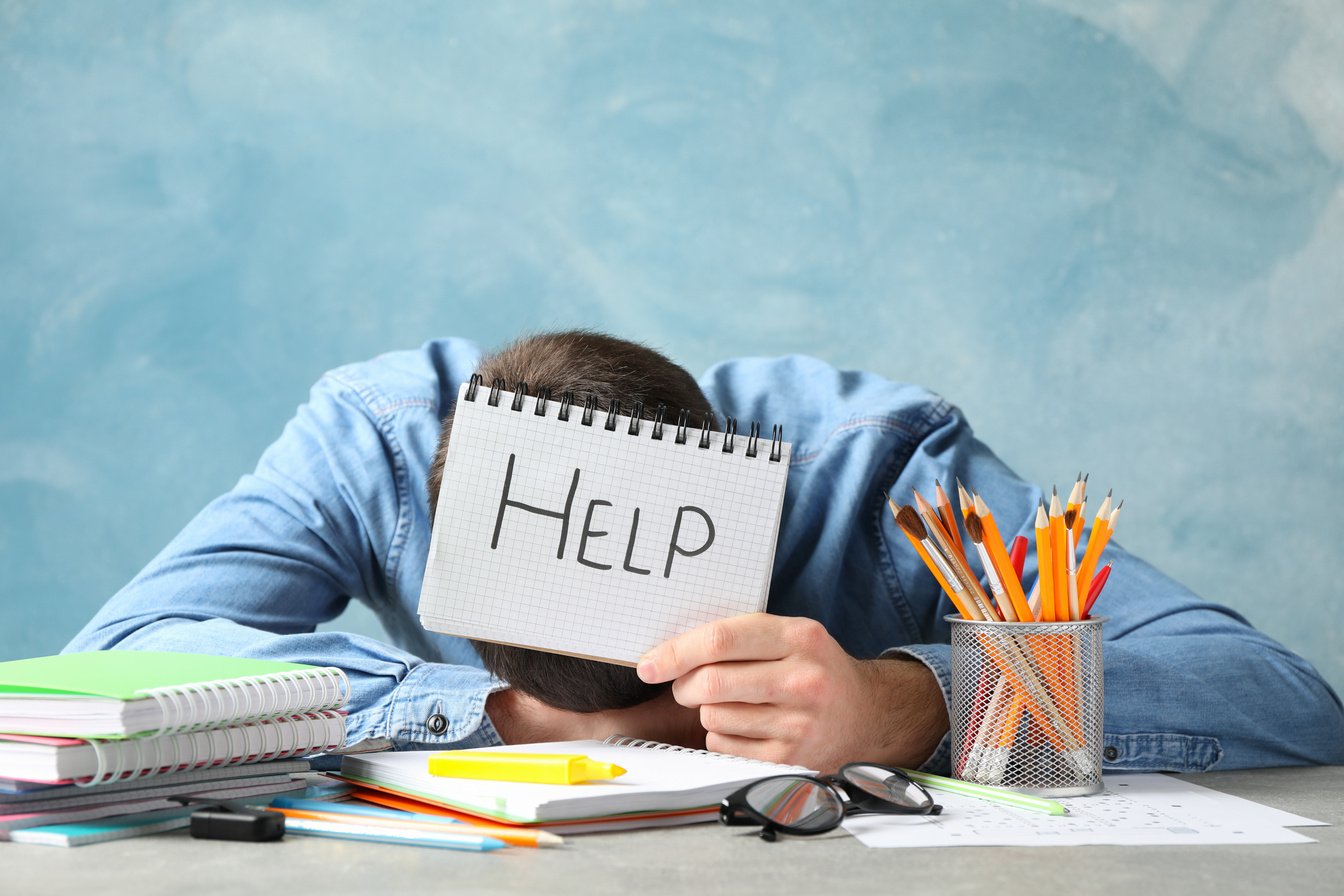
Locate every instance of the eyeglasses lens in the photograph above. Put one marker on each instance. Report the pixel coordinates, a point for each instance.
(881, 783)
(799, 804)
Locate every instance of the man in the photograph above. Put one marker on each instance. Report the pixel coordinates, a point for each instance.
(851, 663)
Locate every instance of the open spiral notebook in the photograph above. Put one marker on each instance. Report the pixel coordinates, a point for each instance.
(663, 785)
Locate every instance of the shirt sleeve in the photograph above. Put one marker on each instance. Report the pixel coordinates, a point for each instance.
(320, 521)
(1190, 685)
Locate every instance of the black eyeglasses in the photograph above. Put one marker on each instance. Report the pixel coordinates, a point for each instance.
(802, 805)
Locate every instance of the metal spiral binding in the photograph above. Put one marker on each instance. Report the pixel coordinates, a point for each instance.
(199, 705)
(146, 757)
(613, 411)
(618, 740)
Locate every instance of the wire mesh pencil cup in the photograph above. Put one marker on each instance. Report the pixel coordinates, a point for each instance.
(1027, 705)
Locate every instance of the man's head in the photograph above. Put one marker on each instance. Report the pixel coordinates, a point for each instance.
(581, 362)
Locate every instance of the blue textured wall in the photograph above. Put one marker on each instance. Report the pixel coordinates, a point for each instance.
(1111, 233)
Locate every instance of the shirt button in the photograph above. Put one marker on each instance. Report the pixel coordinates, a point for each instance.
(436, 723)
(1111, 754)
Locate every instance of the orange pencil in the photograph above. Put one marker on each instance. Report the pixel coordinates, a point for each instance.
(948, 516)
(1096, 542)
(1059, 565)
(956, 562)
(1003, 565)
(511, 835)
(1045, 566)
(908, 519)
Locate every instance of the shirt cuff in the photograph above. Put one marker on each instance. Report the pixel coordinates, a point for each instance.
(439, 706)
(937, 658)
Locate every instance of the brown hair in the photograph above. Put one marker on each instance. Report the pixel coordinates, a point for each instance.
(583, 363)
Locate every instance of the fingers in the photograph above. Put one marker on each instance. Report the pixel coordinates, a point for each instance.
(798, 683)
(756, 636)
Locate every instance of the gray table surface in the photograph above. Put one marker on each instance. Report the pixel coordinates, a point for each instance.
(708, 858)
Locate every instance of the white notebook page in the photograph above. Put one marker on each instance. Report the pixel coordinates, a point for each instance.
(702, 548)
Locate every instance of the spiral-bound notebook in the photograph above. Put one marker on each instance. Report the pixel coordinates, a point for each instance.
(595, 533)
(120, 693)
(62, 759)
(662, 785)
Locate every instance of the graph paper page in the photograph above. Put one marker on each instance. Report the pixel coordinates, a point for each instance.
(595, 542)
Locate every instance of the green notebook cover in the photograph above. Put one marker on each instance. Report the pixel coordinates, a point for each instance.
(126, 674)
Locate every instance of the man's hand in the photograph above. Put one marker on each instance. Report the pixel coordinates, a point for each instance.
(521, 719)
(780, 688)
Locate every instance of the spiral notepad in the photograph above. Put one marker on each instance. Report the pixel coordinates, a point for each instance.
(662, 784)
(597, 533)
(120, 693)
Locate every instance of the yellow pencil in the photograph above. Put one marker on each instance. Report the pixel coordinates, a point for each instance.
(1045, 566)
(1058, 571)
(1096, 542)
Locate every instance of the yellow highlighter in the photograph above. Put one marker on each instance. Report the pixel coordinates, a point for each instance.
(530, 768)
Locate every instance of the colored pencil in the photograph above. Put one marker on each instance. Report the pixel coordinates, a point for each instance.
(1094, 592)
(1045, 565)
(1003, 565)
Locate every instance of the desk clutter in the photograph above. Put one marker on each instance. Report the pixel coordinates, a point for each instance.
(97, 746)
(1027, 682)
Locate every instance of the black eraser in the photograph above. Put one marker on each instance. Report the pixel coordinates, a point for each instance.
(251, 825)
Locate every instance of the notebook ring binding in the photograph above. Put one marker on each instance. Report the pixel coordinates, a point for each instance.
(544, 396)
(260, 697)
(307, 729)
(618, 740)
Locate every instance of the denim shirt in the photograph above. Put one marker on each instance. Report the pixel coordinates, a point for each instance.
(337, 510)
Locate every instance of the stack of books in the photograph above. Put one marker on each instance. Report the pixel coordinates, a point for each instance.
(96, 746)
